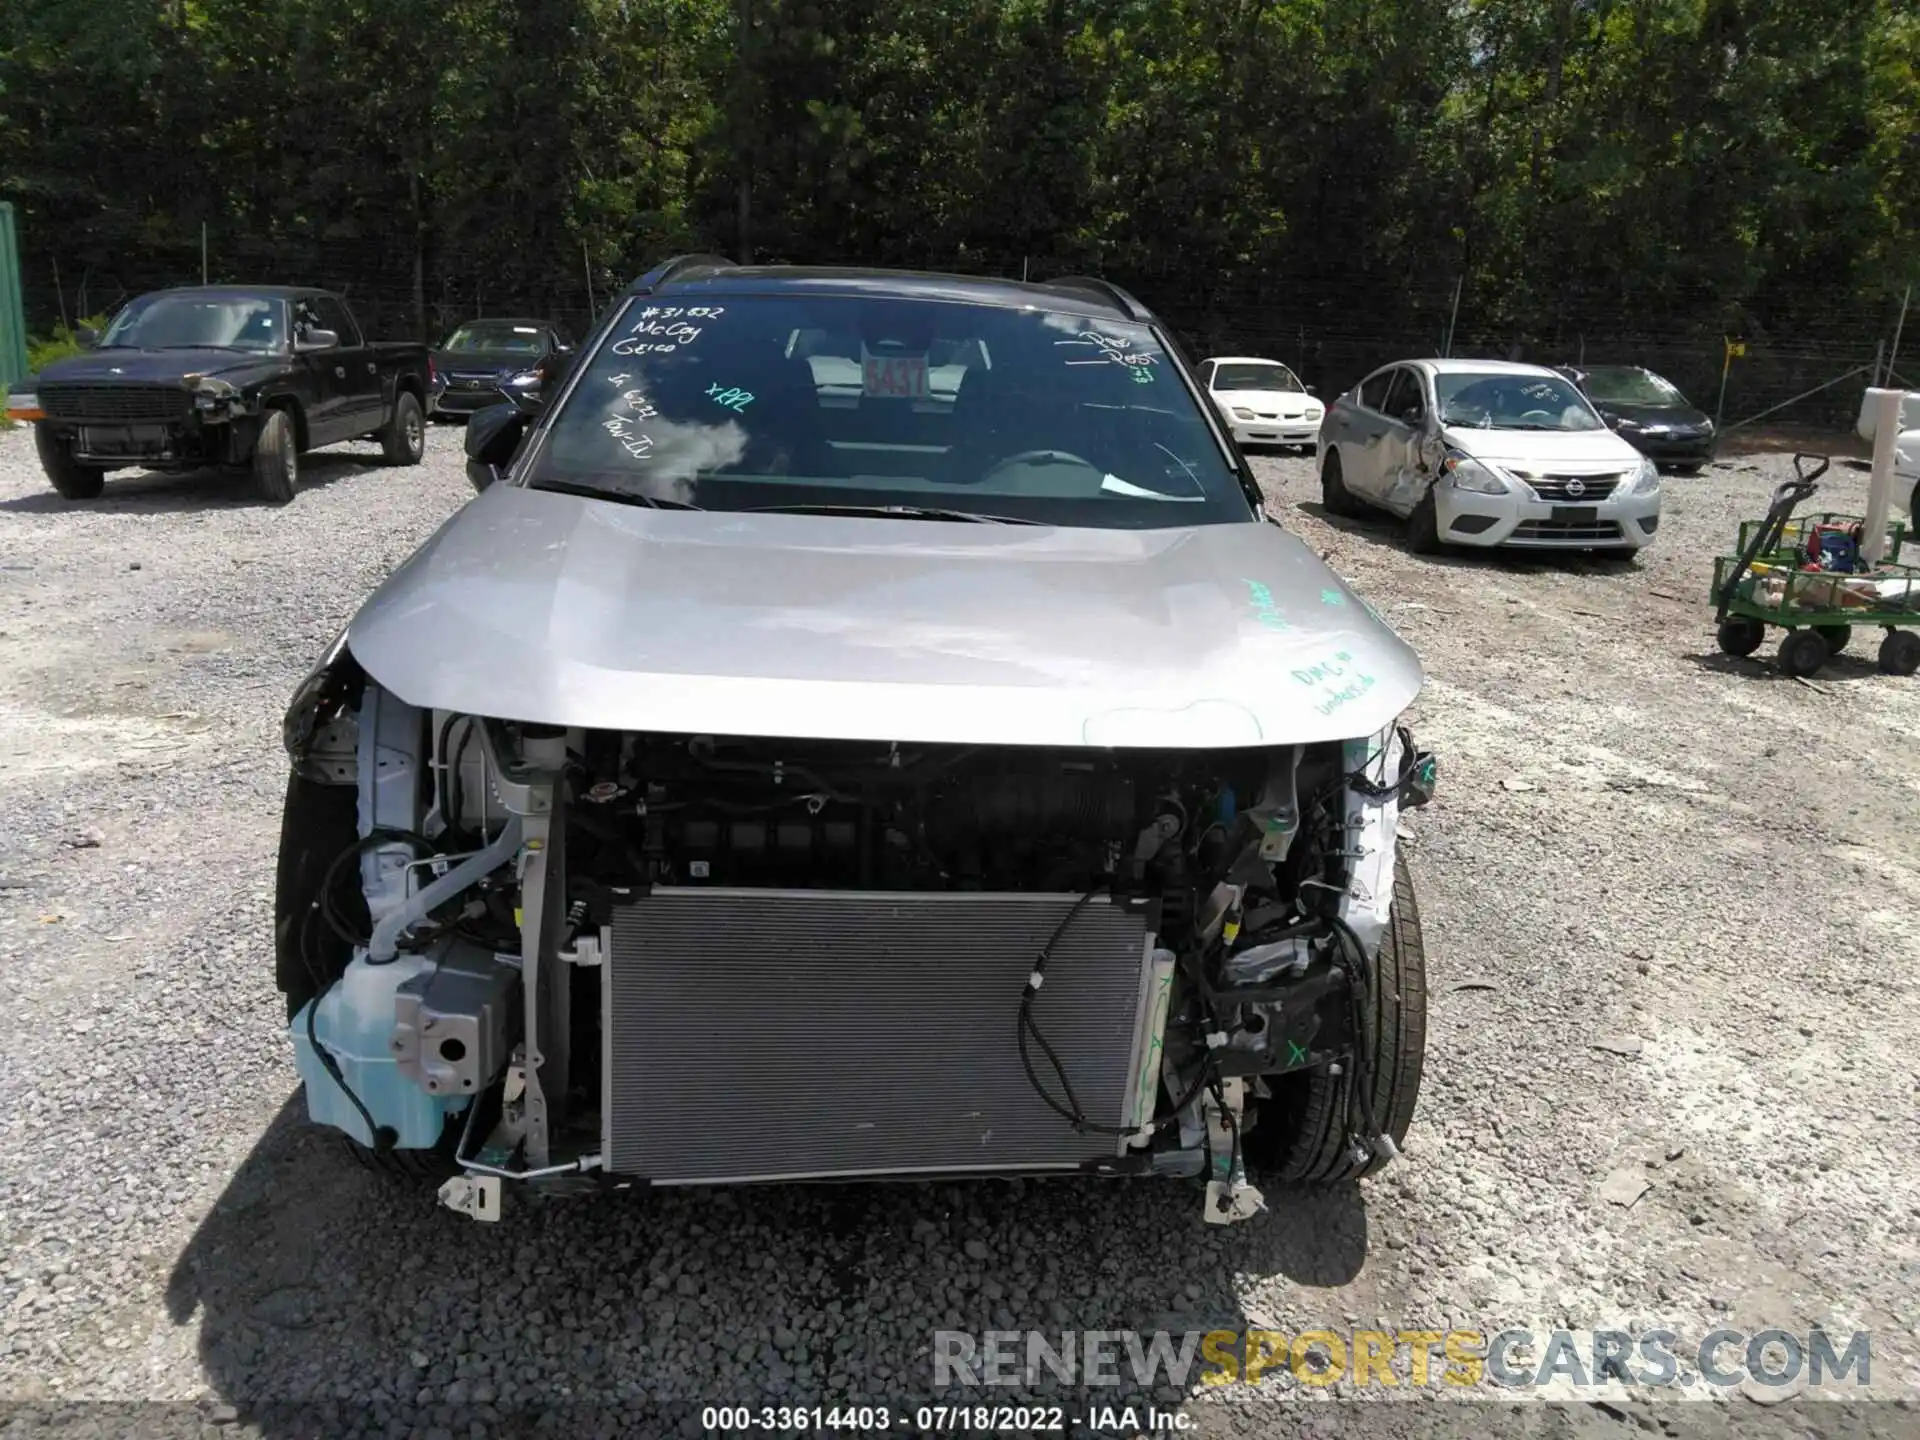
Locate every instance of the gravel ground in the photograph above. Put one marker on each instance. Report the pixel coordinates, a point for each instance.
(1672, 942)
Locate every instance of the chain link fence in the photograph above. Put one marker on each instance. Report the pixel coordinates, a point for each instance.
(1806, 358)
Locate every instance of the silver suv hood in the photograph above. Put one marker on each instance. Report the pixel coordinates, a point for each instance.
(563, 610)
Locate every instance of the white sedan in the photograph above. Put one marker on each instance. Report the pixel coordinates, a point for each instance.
(1262, 400)
(1486, 452)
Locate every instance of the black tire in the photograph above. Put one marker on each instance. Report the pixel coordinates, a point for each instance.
(1423, 527)
(1803, 652)
(67, 475)
(1688, 469)
(317, 823)
(1333, 487)
(1302, 1130)
(1900, 652)
(1740, 637)
(1836, 637)
(276, 459)
(403, 440)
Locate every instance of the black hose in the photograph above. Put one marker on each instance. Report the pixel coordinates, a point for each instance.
(1027, 1025)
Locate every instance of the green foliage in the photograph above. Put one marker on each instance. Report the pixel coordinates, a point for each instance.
(61, 342)
(1715, 163)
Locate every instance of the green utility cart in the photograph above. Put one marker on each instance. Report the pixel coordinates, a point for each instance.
(1769, 582)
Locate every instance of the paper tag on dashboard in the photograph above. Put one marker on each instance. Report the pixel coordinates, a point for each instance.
(893, 377)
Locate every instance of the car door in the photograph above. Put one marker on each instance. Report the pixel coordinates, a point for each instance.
(353, 370)
(1363, 432)
(1404, 410)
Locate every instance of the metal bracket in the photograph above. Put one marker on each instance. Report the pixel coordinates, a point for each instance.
(475, 1196)
(1230, 1196)
(590, 948)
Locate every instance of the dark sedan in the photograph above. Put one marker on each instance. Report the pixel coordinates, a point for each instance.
(1649, 412)
(481, 359)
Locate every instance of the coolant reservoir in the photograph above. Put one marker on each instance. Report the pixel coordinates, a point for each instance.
(355, 1023)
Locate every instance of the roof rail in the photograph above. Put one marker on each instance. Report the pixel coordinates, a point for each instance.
(669, 269)
(1106, 290)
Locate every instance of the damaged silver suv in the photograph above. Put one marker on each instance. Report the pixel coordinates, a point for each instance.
(865, 726)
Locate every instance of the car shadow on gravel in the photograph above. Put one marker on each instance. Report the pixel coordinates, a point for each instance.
(1385, 530)
(316, 1282)
(155, 492)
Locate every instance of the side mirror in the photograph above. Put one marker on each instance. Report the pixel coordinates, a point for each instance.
(316, 340)
(1312, 391)
(87, 336)
(493, 435)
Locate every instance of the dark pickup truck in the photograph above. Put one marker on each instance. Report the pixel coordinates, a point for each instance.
(229, 375)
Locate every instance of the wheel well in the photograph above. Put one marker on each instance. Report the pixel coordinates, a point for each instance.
(412, 386)
(294, 413)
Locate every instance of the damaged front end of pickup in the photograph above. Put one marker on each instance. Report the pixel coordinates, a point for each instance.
(552, 955)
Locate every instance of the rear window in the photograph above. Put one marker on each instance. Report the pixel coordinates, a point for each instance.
(739, 402)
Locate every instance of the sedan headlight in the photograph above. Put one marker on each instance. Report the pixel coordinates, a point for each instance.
(1477, 476)
(1646, 479)
(1314, 412)
(1241, 412)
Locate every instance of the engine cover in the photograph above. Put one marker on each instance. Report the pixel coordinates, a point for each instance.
(796, 1034)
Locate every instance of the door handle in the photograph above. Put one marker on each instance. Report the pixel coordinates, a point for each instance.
(340, 371)
(372, 368)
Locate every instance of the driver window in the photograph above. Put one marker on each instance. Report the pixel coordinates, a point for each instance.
(1373, 391)
(333, 316)
(1405, 401)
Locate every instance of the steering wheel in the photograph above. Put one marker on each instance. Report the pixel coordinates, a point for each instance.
(1038, 457)
(1545, 417)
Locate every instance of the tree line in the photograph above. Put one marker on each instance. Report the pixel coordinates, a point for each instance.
(1340, 169)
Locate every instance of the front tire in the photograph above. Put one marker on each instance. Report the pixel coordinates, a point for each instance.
(1423, 527)
(404, 438)
(1303, 1130)
(67, 475)
(276, 459)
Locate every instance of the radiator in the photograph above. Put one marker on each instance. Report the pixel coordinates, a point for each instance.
(786, 1034)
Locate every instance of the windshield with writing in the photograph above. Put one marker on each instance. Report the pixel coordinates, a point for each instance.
(748, 401)
(1630, 385)
(175, 322)
(1499, 401)
(1256, 377)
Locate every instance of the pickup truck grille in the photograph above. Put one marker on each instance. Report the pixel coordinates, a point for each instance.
(114, 404)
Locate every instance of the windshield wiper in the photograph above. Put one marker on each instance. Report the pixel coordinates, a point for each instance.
(601, 492)
(894, 512)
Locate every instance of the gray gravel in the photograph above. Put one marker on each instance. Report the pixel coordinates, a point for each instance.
(1672, 1078)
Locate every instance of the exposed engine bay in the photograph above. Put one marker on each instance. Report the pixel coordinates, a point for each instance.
(674, 959)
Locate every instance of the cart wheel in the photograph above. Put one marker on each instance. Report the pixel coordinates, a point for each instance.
(1803, 652)
(1836, 636)
(1900, 652)
(1741, 637)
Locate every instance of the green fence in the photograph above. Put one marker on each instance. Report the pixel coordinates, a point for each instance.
(13, 323)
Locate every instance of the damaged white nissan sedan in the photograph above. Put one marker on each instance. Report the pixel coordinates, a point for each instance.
(767, 778)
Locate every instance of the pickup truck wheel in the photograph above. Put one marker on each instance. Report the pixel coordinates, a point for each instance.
(1303, 1134)
(404, 440)
(276, 459)
(67, 475)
